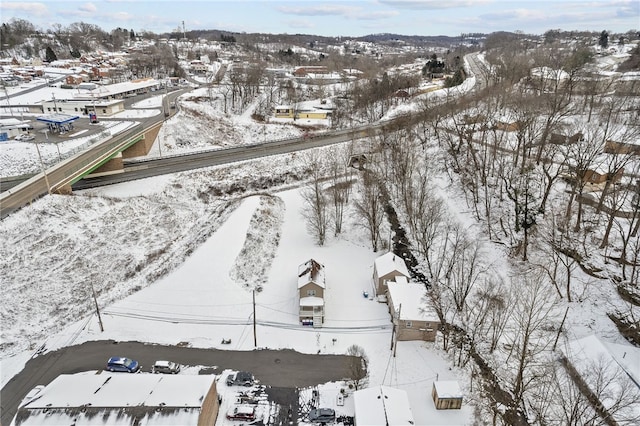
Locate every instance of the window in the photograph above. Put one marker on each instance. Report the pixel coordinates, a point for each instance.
(76, 109)
(49, 109)
(104, 111)
(408, 324)
(311, 292)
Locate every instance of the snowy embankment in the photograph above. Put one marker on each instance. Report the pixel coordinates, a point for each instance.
(252, 264)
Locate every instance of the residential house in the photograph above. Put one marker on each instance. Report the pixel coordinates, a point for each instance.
(310, 69)
(98, 398)
(284, 111)
(382, 406)
(311, 286)
(560, 139)
(613, 147)
(198, 67)
(386, 268)
(73, 79)
(411, 315)
(608, 374)
(447, 395)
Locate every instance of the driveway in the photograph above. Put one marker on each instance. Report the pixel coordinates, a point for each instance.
(277, 368)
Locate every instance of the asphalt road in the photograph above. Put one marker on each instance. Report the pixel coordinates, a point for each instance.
(278, 368)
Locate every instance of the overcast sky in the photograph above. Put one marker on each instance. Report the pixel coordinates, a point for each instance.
(333, 17)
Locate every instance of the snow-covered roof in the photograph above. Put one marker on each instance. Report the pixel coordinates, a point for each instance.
(382, 405)
(118, 88)
(311, 301)
(118, 399)
(549, 73)
(123, 390)
(448, 389)
(606, 374)
(412, 298)
(390, 262)
(311, 272)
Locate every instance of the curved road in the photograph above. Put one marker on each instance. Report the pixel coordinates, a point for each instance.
(277, 368)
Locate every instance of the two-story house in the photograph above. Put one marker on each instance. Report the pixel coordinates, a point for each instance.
(311, 285)
(388, 268)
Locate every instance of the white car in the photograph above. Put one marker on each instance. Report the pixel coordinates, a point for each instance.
(24, 137)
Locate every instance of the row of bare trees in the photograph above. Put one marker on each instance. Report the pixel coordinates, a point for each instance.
(524, 154)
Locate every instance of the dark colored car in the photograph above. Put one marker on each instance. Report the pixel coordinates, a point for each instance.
(241, 378)
(166, 367)
(242, 412)
(126, 365)
(322, 415)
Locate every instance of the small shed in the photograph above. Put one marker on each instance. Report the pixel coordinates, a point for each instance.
(447, 395)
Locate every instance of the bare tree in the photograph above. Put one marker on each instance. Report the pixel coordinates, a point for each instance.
(369, 206)
(497, 300)
(533, 313)
(358, 366)
(582, 158)
(341, 182)
(315, 208)
(558, 256)
(611, 394)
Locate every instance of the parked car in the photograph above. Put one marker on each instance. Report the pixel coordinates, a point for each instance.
(242, 412)
(322, 415)
(24, 137)
(241, 378)
(167, 367)
(126, 365)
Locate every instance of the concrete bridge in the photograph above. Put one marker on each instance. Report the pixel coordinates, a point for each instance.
(104, 157)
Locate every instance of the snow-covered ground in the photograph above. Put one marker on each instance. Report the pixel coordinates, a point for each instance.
(182, 251)
(199, 303)
(195, 244)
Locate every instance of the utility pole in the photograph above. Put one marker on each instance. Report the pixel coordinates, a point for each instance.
(255, 337)
(395, 346)
(95, 300)
(55, 105)
(44, 172)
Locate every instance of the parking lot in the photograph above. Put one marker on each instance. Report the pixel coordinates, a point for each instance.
(281, 371)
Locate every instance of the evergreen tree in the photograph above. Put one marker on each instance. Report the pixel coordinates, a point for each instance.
(50, 55)
(604, 39)
(132, 35)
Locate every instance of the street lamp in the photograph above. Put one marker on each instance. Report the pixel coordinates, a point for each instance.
(55, 105)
